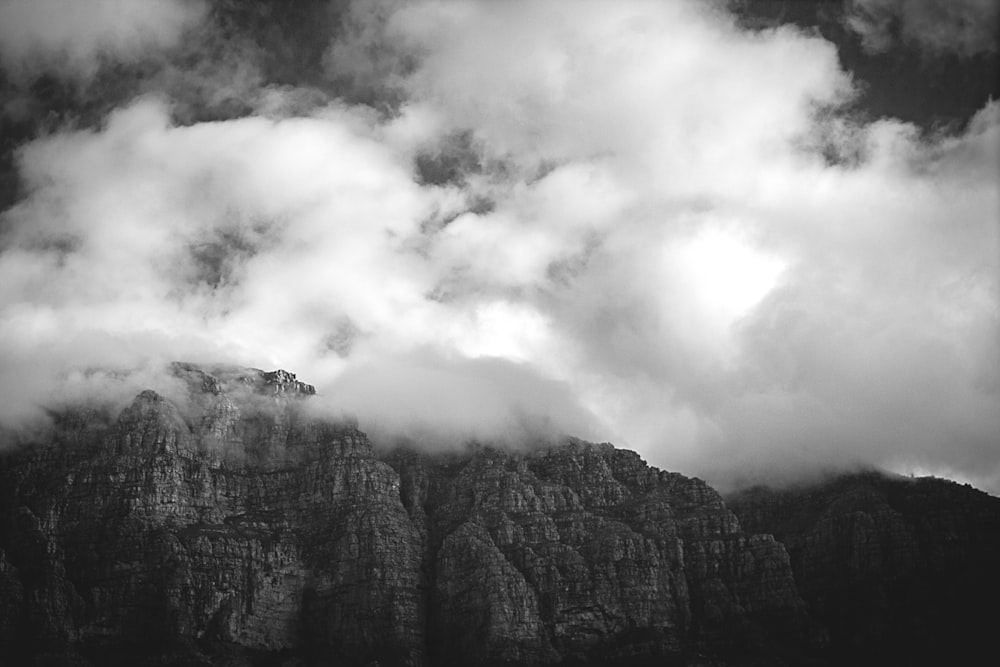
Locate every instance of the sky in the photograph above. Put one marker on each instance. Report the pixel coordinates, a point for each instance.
(753, 241)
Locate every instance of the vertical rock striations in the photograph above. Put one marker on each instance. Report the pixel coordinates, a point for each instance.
(584, 553)
(244, 522)
(230, 525)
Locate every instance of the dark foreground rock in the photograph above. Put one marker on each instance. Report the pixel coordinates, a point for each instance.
(896, 570)
(232, 526)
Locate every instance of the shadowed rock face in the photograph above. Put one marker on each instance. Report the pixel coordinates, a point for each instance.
(583, 552)
(243, 521)
(238, 528)
(896, 570)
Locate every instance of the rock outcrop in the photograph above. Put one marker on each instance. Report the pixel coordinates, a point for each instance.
(583, 552)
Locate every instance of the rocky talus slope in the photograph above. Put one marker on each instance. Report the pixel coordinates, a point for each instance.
(231, 525)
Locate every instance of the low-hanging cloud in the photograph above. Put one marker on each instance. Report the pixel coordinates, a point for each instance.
(653, 226)
(437, 402)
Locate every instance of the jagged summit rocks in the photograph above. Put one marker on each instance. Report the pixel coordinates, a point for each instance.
(219, 378)
(241, 529)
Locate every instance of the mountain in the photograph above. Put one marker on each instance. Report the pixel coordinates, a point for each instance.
(232, 525)
(896, 570)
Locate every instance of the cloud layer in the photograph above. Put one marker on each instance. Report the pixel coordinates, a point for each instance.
(74, 37)
(633, 220)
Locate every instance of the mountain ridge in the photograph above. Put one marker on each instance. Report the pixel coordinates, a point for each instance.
(246, 530)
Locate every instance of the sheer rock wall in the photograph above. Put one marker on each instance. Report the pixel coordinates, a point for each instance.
(233, 526)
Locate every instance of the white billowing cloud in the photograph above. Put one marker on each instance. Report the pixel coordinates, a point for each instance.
(72, 36)
(715, 291)
(965, 27)
(292, 243)
(666, 256)
(249, 240)
(882, 344)
(664, 82)
(720, 279)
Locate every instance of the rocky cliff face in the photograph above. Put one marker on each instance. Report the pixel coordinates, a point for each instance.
(231, 525)
(895, 570)
(235, 527)
(243, 521)
(583, 552)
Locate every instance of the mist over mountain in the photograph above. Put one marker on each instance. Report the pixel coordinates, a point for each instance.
(752, 241)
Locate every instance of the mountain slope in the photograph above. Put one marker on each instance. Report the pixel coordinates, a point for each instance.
(232, 525)
(236, 526)
(897, 570)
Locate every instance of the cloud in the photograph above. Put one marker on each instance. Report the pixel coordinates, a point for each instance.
(73, 36)
(635, 219)
(443, 402)
(287, 242)
(711, 283)
(965, 27)
(183, 239)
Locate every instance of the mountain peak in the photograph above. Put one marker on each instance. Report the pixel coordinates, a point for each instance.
(220, 378)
